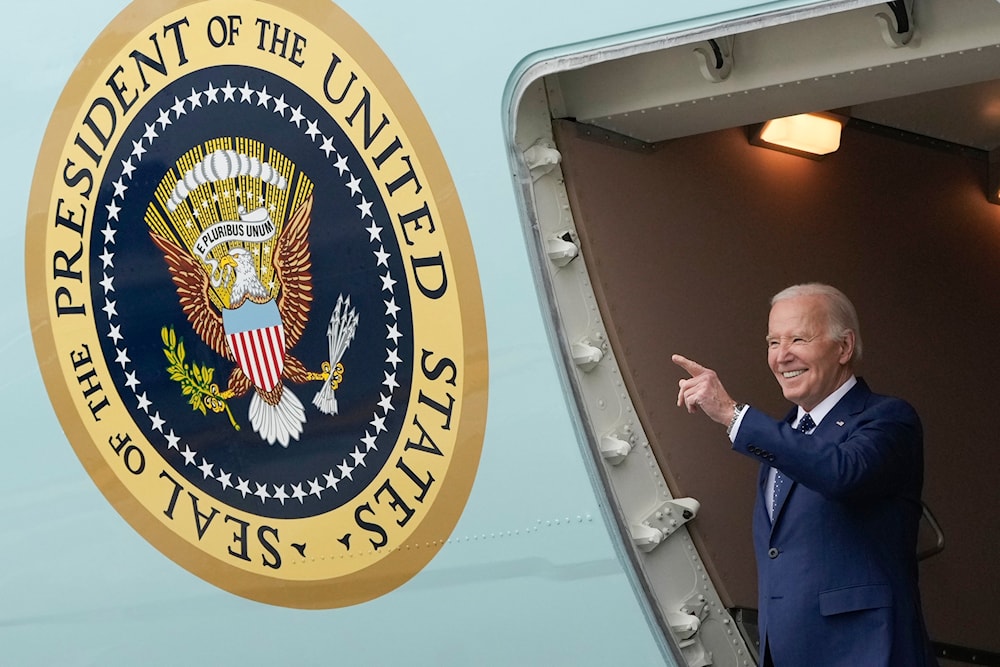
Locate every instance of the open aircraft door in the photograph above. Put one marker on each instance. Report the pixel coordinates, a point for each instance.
(656, 227)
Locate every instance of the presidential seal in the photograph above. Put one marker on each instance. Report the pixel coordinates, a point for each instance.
(254, 299)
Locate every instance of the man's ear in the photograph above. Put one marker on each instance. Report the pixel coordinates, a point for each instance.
(846, 348)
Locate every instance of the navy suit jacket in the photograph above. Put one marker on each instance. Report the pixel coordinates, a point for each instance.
(837, 567)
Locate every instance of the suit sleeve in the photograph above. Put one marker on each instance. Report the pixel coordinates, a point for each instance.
(877, 452)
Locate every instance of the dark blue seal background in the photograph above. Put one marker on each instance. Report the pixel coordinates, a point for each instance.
(343, 262)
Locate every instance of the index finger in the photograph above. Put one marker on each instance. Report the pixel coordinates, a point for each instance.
(692, 367)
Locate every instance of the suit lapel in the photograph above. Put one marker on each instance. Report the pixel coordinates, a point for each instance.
(851, 404)
(762, 489)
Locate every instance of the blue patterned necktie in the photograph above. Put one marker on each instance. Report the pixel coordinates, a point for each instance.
(806, 424)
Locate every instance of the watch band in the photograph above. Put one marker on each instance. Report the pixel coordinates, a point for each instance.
(737, 411)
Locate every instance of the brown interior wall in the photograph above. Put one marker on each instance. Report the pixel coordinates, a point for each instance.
(687, 243)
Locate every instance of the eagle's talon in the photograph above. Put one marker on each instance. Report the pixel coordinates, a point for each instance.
(221, 396)
(216, 400)
(337, 376)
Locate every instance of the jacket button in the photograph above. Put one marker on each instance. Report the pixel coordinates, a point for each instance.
(772, 552)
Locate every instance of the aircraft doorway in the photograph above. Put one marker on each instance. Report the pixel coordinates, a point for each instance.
(664, 230)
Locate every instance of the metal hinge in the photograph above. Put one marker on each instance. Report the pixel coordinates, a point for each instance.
(663, 522)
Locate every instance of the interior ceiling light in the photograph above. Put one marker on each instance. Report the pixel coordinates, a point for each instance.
(809, 134)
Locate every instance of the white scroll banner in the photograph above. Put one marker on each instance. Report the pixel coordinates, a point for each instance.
(254, 227)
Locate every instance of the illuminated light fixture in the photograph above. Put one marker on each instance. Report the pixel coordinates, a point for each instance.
(810, 135)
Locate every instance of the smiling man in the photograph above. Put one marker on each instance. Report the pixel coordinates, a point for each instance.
(838, 503)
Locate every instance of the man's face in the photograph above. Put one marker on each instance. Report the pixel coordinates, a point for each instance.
(808, 364)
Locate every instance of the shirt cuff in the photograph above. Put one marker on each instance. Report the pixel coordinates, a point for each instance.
(736, 424)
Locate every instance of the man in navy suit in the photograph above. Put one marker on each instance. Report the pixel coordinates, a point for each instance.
(838, 504)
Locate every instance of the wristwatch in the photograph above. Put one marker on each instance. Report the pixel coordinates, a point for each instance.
(737, 411)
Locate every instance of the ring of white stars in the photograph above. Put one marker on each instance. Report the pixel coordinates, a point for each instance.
(267, 491)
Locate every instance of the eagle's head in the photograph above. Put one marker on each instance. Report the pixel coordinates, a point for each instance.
(246, 284)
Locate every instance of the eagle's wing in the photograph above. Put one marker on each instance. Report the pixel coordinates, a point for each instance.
(192, 289)
(292, 263)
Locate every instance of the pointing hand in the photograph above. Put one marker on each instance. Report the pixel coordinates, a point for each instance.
(703, 390)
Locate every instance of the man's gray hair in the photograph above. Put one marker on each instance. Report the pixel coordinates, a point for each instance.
(841, 313)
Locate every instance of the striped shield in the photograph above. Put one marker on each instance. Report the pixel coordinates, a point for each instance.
(257, 340)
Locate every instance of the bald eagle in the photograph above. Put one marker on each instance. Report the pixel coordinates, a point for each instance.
(276, 414)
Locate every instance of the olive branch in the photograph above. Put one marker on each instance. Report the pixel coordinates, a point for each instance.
(195, 379)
